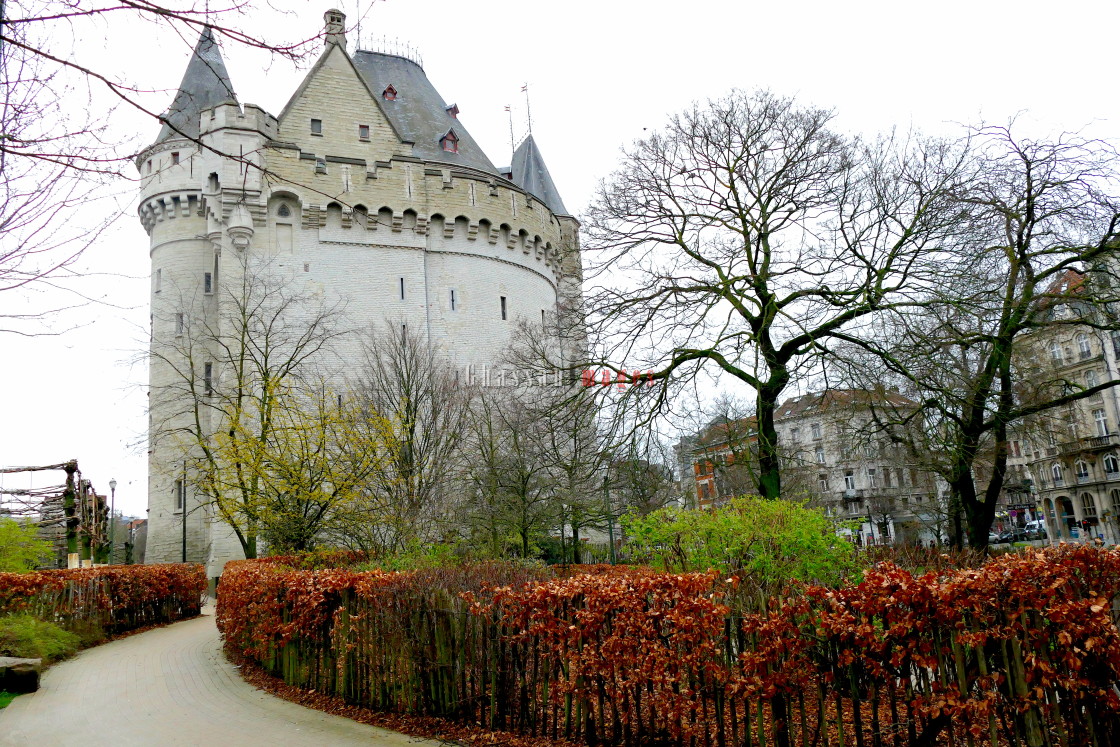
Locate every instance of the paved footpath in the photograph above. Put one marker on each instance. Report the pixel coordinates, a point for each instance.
(170, 686)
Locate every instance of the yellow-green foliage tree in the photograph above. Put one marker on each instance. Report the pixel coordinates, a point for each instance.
(266, 446)
(21, 548)
(301, 475)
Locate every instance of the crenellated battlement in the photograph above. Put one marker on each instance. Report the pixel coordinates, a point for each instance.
(169, 207)
(231, 116)
(406, 194)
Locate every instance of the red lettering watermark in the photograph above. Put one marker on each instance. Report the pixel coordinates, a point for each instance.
(621, 379)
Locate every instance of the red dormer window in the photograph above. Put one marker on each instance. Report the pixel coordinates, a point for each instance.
(450, 142)
(453, 110)
(390, 93)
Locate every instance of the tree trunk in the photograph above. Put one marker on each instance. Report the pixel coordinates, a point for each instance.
(963, 505)
(769, 465)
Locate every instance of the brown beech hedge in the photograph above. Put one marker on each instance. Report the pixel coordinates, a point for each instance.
(1023, 650)
(112, 600)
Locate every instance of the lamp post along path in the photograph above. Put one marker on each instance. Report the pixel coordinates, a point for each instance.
(112, 519)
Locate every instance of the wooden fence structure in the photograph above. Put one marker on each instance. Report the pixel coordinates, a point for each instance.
(976, 658)
(111, 600)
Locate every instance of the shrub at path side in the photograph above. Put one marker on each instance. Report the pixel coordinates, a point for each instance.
(26, 637)
(1021, 651)
(765, 543)
(106, 601)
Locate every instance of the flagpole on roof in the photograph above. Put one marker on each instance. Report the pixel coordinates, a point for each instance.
(528, 111)
(512, 145)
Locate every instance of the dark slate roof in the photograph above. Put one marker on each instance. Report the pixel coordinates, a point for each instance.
(530, 173)
(419, 113)
(205, 85)
(839, 398)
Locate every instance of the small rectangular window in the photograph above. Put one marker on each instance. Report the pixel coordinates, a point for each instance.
(180, 495)
(175, 158)
(208, 378)
(453, 299)
(159, 280)
(316, 127)
(542, 318)
(320, 165)
(504, 316)
(401, 281)
(149, 165)
(363, 132)
(180, 323)
(207, 282)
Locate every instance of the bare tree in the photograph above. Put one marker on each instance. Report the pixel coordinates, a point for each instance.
(744, 235)
(535, 466)
(58, 150)
(412, 490)
(572, 448)
(640, 477)
(1036, 254)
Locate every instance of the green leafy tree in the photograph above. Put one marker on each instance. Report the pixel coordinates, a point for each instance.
(21, 547)
(766, 543)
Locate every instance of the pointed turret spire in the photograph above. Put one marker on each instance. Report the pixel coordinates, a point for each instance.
(529, 172)
(205, 84)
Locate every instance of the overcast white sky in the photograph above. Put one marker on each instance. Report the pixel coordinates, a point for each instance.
(599, 73)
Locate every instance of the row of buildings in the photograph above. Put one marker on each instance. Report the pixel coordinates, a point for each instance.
(831, 458)
(1063, 465)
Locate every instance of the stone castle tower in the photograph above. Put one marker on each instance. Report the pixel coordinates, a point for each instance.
(366, 186)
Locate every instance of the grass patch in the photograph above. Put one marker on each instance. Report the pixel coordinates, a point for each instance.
(26, 637)
(6, 698)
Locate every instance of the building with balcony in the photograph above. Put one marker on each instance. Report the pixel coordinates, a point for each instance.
(1072, 453)
(832, 457)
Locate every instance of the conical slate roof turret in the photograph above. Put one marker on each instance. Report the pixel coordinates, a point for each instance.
(529, 172)
(205, 85)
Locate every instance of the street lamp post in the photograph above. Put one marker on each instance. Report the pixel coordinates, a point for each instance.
(112, 518)
(610, 515)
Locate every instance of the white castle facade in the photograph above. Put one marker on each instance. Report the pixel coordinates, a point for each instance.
(366, 188)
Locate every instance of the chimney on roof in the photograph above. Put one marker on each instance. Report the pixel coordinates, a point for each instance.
(335, 28)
